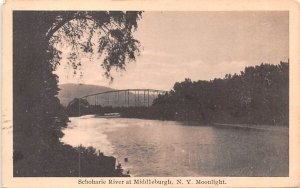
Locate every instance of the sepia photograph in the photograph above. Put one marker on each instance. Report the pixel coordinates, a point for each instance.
(150, 94)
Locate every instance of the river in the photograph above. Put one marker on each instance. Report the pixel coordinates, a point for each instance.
(168, 148)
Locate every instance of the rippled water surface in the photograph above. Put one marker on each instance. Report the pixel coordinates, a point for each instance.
(169, 148)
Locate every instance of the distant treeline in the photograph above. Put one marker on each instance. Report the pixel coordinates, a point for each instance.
(258, 95)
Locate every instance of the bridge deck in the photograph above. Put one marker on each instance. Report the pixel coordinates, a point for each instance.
(124, 97)
(127, 90)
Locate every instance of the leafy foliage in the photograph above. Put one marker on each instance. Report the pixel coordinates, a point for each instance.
(258, 95)
(78, 107)
(106, 33)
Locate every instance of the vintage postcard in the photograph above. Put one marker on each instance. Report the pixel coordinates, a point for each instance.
(151, 93)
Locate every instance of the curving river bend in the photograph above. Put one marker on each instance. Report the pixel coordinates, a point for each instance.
(168, 148)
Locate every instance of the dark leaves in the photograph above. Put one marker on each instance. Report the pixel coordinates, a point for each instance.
(259, 95)
(114, 30)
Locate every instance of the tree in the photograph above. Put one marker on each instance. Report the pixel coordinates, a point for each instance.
(36, 35)
(78, 107)
(259, 95)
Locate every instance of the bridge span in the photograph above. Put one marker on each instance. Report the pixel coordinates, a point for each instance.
(124, 97)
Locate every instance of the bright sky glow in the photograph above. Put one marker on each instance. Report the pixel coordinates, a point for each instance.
(196, 45)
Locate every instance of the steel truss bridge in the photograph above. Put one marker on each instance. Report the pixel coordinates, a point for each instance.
(124, 98)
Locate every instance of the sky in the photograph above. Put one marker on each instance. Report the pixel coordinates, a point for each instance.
(195, 45)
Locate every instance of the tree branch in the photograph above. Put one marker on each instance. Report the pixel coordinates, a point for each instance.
(52, 30)
(57, 27)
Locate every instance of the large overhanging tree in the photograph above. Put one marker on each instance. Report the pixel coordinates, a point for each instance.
(106, 33)
(38, 116)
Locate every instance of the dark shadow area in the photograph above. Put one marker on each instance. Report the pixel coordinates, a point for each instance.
(38, 116)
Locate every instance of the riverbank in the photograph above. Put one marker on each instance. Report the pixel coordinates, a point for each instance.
(156, 113)
(235, 125)
(282, 129)
(66, 161)
(61, 160)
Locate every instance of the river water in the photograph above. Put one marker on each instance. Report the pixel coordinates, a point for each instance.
(168, 148)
